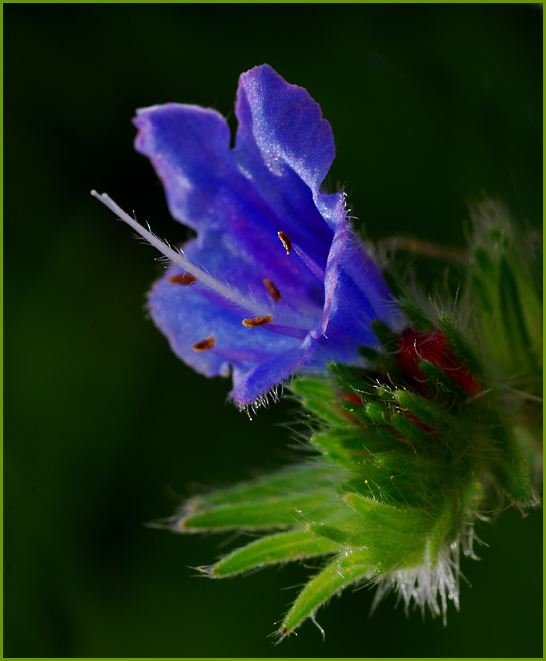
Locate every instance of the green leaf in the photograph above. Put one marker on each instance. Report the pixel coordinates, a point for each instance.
(257, 515)
(333, 578)
(403, 478)
(406, 520)
(334, 534)
(293, 479)
(282, 547)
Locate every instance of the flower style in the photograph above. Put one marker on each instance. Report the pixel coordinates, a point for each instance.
(292, 303)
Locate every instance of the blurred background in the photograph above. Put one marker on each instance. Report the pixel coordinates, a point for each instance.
(432, 106)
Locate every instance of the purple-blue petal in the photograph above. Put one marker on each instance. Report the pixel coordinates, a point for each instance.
(270, 373)
(285, 124)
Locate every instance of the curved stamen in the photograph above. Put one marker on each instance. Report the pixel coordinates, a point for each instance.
(310, 263)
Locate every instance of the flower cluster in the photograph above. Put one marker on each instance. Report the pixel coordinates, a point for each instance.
(413, 437)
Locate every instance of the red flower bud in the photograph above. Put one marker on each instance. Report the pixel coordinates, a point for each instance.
(434, 347)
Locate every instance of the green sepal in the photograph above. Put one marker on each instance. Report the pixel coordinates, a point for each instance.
(371, 355)
(384, 393)
(378, 433)
(519, 486)
(461, 348)
(414, 434)
(353, 379)
(318, 397)
(428, 412)
(441, 382)
(385, 335)
(331, 445)
(473, 496)
(444, 531)
(378, 413)
(273, 549)
(348, 446)
(417, 316)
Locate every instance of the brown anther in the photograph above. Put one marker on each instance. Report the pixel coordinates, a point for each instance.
(182, 279)
(204, 345)
(257, 321)
(285, 241)
(274, 292)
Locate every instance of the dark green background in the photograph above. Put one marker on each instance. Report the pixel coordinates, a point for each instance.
(430, 105)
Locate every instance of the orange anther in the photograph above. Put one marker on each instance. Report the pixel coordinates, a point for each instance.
(285, 241)
(274, 292)
(182, 279)
(204, 345)
(257, 321)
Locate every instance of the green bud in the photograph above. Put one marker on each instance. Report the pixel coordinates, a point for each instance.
(505, 283)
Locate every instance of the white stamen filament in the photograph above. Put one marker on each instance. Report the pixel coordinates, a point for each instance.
(178, 258)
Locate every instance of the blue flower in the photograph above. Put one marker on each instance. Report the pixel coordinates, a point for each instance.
(301, 291)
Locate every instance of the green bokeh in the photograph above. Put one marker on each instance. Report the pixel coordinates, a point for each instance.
(431, 106)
